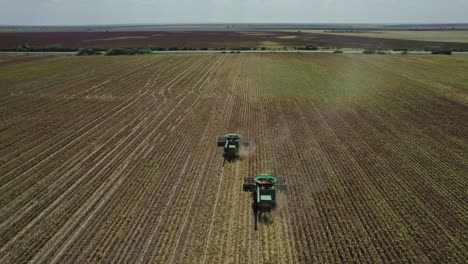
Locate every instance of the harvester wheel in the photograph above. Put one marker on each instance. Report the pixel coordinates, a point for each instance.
(281, 185)
(245, 142)
(249, 185)
(221, 141)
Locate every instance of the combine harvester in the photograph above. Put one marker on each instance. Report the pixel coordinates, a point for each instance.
(263, 188)
(232, 142)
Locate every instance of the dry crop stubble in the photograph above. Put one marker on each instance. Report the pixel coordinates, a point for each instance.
(114, 159)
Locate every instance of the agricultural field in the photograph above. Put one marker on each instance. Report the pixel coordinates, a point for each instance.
(460, 36)
(274, 38)
(114, 159)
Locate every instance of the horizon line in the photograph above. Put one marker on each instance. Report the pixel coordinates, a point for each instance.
(231, 23)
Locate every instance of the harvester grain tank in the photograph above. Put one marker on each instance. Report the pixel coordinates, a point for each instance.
(264, 189)
(231, 143)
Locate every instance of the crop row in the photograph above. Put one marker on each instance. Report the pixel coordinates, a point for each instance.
(118, 162)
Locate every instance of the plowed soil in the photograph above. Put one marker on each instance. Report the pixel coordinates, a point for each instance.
(209, 39)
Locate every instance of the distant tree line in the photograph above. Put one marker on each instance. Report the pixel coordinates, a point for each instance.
(128, 51)
(371, 51)
(88, 51)
(58, 47)
(442, 52)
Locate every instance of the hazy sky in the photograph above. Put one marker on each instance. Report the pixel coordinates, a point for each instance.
(73, 12)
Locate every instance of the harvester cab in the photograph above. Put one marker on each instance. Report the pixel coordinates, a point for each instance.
(231, 143)
(263, 188)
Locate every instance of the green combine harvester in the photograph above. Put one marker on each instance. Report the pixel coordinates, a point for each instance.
(263, 188)
(231, 143)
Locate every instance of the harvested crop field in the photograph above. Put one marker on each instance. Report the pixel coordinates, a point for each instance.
(114, 158)
(459, 36)
(209, 39)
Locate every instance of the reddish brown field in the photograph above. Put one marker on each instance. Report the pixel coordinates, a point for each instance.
(207, 39)
(114, 159)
